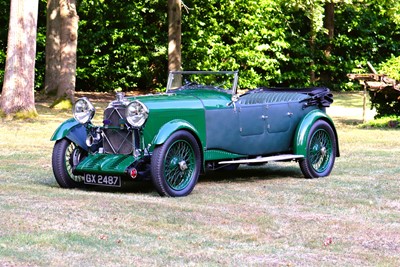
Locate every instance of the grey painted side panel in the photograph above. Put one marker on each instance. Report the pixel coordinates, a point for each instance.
(254, 129)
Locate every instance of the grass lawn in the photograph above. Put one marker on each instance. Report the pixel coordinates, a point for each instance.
(257, 216)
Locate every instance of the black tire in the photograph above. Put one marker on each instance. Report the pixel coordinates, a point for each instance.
(66, 156)
(321, 151)
(175, 165)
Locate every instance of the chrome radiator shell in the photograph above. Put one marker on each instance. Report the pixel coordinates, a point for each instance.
(117, 137)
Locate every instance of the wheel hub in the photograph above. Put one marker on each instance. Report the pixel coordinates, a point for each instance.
(183, 165)
(323, 151)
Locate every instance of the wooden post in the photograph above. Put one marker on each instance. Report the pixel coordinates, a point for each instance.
(365, 103)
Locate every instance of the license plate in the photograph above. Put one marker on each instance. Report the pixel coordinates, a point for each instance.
(101, 179)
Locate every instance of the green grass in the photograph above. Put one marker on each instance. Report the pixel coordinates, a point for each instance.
(257, 216)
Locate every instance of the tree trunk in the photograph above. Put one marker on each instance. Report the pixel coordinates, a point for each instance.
(174, 39)
(330, 26)
(53, 53)
(19, 78)
(174, 35)
(68, 46)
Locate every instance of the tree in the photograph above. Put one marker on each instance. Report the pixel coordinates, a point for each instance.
(329, 24)
(61, 47)
(53, 55)
(174, 38)
(174, 35)
(68, 46)
(314, 11)
(17, 97)
(236, 35)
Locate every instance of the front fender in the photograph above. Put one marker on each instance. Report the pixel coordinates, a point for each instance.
(303, 130)
(172, 126)
(72, 130)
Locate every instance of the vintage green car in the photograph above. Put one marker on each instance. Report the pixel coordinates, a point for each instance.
(200, 123)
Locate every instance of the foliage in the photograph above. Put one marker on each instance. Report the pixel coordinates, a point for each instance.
(64, 104)
(383, 122)
(386, 102)
(362, 33)
(40, 47)
(391, 68)
(235, 35)
(123, 44)
(4, 17)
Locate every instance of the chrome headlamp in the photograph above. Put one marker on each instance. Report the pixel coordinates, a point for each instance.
(83, 110)
(136, 114)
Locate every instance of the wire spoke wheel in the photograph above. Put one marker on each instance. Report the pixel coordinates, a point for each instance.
(321, 151)
(66, 156)
(175, 165)
(73, 156)
(179, 165)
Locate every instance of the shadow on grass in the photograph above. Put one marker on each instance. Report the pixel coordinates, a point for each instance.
(253, 173)
(243, 174)
(138, 187)
(347, 122)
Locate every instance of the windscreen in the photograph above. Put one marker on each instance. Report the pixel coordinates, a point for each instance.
(223, 81)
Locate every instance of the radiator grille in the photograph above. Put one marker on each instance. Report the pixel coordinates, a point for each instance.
(116, 140)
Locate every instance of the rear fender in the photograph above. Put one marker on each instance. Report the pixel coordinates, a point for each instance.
(303, 130)
(72, 130)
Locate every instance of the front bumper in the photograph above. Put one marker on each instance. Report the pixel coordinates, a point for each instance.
(110, 164)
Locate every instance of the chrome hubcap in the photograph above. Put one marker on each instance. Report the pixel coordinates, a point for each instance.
(182, 165)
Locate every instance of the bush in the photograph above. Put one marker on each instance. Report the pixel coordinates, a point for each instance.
(391, 68)
(383, 122)
(387, 100)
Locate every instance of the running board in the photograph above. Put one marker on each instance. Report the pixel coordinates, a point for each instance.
(264, 159)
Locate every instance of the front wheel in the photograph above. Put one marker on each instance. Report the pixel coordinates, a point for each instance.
(321, 151)
(66, 156)
(175, 165)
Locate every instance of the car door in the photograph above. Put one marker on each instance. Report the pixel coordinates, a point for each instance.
(251, 120)
(278, 117)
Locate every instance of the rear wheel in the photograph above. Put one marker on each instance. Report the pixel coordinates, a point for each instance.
(66, 156)
(175, 165)
(321, 151)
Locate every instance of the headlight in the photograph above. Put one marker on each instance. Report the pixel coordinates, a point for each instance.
(83, 110)
(136, 114)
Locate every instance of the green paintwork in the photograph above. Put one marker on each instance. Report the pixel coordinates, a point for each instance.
(63, 130)
(72, 130)
(171, 112)
(303, 130)
(170, 127)
(105, 164)
(211, 155)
